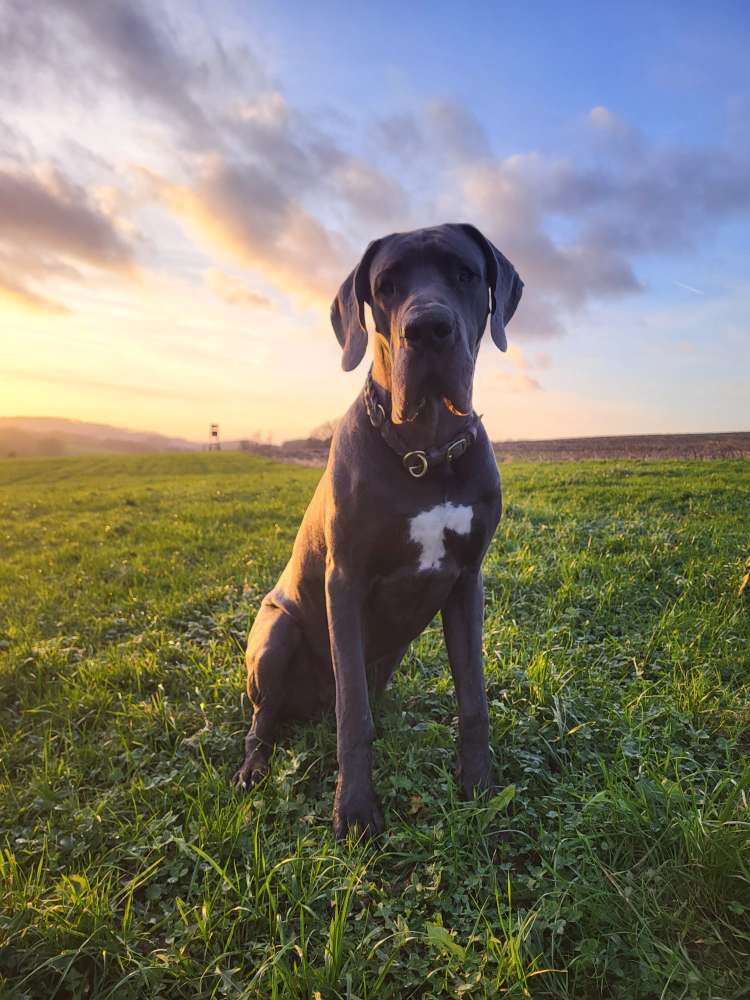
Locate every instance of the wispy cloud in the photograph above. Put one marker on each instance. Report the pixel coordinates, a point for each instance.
(688, 288)
(16, 294)
(516, 382)
(243, 214)
(127, 389)
(234, 291)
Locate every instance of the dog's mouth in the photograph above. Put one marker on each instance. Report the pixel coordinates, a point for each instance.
(406, 411)
(410, 414)
(422, 379)
(452, 408)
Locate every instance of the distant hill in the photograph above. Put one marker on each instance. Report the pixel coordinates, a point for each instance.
(39, 436)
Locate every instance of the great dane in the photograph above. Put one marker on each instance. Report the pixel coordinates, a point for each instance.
(401, 519)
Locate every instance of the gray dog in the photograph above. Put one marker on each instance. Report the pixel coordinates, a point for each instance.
(401, 519)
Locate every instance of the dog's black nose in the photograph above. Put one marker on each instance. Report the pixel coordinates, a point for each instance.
(431, 329)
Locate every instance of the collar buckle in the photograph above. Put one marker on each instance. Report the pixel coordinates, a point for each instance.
(456, 449)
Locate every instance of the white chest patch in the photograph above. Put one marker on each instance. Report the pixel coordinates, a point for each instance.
(428, 531)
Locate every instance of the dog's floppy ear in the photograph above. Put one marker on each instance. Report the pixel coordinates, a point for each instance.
(348, 311)
(505, 284)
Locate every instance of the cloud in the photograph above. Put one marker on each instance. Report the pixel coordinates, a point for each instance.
(115, 46)
(510, 196)
(519, 380)
(611, 132)
(281, 139)
(516, 382)
(14, 145)
(644, 198)
(457, 131)
(256, 198)
(48, 229)
(14, 293)
(368, 192)
(246, 215)
(538, 361)
(304, 160)
(399, 136)
(129, 389)
(142, 54)
(48, 210)
(235, 292)
(163, 59)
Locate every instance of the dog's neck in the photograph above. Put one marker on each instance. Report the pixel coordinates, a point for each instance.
(433, 425)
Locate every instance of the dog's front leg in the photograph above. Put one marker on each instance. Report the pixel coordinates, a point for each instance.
(463, 616)
(356, 803)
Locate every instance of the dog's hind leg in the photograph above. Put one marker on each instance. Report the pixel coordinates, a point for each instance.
(271, 648)
(383, 669)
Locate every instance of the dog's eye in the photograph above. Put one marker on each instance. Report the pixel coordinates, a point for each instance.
(386, 287)
(466, 275)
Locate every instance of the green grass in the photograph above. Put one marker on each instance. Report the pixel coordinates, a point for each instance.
(615, 862)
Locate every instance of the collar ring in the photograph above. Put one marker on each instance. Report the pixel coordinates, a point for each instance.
(415, 462)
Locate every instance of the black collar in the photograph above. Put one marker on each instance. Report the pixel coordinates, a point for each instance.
(416, 462)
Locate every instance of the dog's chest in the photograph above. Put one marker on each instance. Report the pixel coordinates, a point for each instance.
(429, 531)
(421, 554)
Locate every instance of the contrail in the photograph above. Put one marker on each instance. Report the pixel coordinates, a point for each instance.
(695, 291)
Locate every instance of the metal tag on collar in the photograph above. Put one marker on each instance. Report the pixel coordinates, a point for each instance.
(415, 463)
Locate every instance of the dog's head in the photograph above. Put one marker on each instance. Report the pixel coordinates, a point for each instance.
(430, 292)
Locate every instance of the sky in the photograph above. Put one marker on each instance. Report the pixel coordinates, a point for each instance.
(185, 185)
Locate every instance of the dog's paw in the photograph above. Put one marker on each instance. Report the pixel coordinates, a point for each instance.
(252, 772)
(357, 811)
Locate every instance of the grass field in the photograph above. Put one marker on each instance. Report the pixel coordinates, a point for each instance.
(614, 862)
